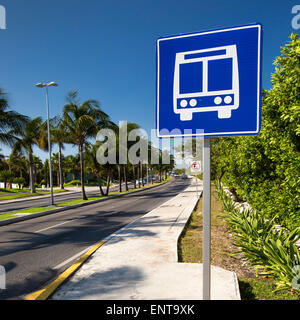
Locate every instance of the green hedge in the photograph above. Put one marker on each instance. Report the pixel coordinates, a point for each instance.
(265, 169)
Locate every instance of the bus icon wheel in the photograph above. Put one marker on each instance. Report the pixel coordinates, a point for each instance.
(224, 114)
(186, 116)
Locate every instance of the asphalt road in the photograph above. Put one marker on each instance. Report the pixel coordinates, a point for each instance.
(27, 203)
(35, 251)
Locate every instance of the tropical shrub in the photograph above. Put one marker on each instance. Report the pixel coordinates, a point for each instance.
(273, 253)
(19, 181)
(5, 177)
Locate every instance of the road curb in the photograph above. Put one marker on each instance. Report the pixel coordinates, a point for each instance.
(46, 292)
(48, 212)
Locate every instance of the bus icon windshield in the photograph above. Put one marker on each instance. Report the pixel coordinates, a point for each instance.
(206, 80)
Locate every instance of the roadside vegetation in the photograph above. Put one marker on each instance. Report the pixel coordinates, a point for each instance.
(226, 254)
(16, 195)
(77, 125)
(12, 191)
(264, 170)
(259, 244)
(263, 173)
(14, 214)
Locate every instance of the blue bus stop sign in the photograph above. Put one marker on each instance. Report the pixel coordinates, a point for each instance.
(209, 83)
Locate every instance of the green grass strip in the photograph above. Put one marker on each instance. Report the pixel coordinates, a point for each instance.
(8, 191)
(26, 195)
(14, 214)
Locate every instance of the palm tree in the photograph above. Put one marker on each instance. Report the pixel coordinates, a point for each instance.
(30, 136)
(45, 173)
(131, 126)
(164, 167)
(5, 176)
(55, 164)
(96, 168)
(123, 149)
(72, 165)
(82, 121)
(37, 167)
(19, 166)
(11, 122)
(59, 137)
(3, 164)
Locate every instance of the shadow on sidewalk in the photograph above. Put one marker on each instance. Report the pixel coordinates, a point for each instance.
(114, 280)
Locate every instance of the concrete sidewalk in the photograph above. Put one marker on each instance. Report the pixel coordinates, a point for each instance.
(140, 262)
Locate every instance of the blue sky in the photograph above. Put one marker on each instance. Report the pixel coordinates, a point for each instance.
(106, 48)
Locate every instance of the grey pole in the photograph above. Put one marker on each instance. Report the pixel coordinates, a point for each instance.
(206, 220)
(49, 148)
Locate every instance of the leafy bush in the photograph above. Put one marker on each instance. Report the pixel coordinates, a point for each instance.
(228, 204)
(5, 176)
(267, 249)
(282, 257)
(19, 181)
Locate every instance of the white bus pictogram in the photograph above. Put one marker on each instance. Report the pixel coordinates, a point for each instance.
(206, 80)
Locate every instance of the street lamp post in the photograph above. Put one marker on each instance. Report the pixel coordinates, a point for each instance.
(46, 85)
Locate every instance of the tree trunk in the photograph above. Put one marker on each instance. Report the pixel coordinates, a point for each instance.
(219, 178)
(142, 177)
(60, 168)
(57, 178)
(151, 175)
(35, 175)
(120, 178)
(31, 173)
(84, 197)
(125, 176)
(108, 182)
(134, 177)
(139, 175)
(99, 184)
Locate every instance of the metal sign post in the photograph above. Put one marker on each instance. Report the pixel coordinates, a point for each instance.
(206, 220)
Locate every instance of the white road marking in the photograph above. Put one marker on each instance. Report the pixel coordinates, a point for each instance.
(74, 257)
(56, 225)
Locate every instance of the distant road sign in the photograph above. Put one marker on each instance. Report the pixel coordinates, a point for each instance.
(195, 167)
(210, 81)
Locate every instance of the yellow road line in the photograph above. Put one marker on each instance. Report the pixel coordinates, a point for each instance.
(44, 293)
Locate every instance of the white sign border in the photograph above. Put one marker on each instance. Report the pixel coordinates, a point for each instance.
(215, 134)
